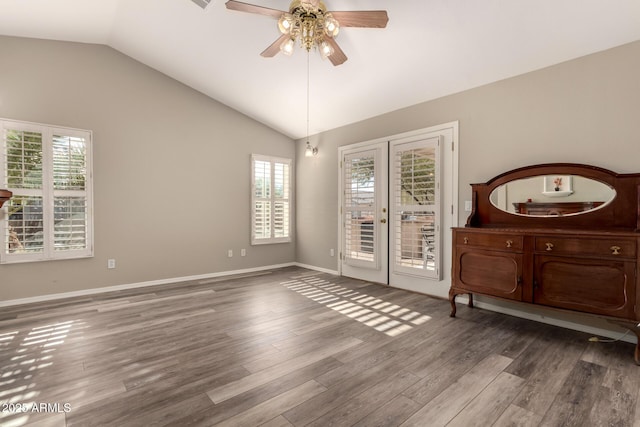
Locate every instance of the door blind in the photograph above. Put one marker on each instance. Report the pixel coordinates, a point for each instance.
(415, 198)
(359, 207)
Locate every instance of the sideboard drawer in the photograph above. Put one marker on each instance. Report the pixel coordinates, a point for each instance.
(498, 241)
(606, 247)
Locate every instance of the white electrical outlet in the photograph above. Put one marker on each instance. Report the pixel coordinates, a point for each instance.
(230, 253)
(111, 263)
(467, 205)
(243, 252)
(332, 252)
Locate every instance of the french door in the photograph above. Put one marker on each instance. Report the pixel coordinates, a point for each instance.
(364, 191)
(392, 213)
(415, 182)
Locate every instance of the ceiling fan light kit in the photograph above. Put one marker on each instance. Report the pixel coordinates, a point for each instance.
(309, 23)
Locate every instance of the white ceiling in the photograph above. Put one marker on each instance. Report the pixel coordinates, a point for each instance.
(430, 48)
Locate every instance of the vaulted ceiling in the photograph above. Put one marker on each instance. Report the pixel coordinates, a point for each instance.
(430, 48)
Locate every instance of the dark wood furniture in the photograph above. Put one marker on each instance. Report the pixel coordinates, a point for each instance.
(4, 196)
(554, 208)
(586, 262)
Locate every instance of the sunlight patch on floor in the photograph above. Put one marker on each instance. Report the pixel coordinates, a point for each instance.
(33, 354)
(376, 313)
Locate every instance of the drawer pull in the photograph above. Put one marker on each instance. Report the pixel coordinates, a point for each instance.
(615, 250)
(466, 240)
(509, 243)
(549, 246)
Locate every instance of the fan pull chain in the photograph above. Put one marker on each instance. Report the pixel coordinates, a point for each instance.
(308, 74)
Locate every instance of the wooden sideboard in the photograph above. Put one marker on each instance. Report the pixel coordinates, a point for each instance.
(585, 262)
(4, 196)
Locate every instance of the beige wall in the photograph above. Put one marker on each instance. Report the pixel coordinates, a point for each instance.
(164, 152)
(171, 167)
(585, 111)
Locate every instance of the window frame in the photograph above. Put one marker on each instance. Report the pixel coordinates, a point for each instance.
(272, 199)
(48, 193)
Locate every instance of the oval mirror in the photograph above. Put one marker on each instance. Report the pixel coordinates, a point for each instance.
(552, 195)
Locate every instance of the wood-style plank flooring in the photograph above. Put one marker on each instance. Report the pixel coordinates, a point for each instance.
(293, 347)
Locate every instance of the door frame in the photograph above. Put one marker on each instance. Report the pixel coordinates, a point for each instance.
(449, 201)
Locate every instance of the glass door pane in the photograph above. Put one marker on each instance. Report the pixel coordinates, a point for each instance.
(415, 207)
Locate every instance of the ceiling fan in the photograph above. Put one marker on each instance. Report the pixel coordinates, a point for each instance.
(309, 22)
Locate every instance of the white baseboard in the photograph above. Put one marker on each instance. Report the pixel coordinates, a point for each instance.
(85, 292)
(461, 299)
(313, 267)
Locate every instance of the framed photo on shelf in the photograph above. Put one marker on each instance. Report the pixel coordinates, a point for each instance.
(557, 185)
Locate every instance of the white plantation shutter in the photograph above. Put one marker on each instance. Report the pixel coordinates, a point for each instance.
(49, 172)
(271, 200)
(416, 207)
(261, 199)
(281, 189)
(69, 192)
(359, 208)
(22, 172)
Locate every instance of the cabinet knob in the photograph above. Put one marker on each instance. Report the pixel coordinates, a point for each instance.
(549, 246)
(509, 243)
(615, 250)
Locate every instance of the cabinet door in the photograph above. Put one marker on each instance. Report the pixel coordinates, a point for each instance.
(590, 285)
(489, 272)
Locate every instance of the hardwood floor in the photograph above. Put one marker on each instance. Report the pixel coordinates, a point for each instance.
(296, 347)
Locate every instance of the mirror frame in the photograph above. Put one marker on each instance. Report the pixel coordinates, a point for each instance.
(622, 213)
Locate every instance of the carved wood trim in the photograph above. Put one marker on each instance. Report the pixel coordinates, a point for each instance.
(622, 214)
(4, 196)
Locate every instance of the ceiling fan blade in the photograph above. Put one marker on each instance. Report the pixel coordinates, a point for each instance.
(337, 57)
(274, 48)
(252, 8)
(364, 18)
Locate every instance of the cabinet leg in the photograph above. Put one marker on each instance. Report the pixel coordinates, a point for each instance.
(636, 354)
(452, 300)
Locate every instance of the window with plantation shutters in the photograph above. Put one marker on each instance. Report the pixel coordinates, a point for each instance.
(270, 200)
(415, 207)
(48, 170)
